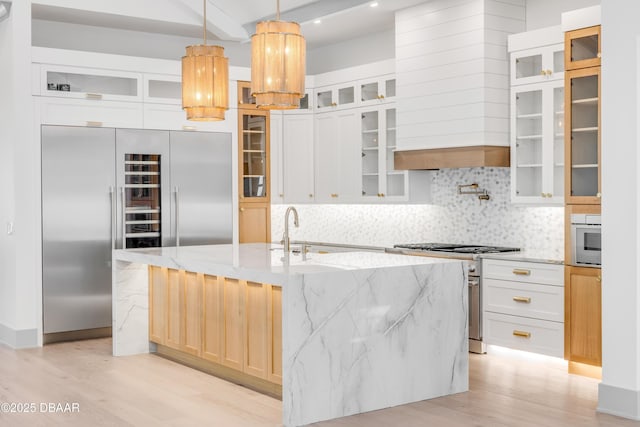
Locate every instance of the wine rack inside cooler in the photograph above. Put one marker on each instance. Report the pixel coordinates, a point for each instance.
(141, 201)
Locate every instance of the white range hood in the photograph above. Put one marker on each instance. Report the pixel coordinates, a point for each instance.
(452, 73)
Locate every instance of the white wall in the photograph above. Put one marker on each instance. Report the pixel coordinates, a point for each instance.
(545, 13)
(363, 50)
(619, 392)
(20, 299)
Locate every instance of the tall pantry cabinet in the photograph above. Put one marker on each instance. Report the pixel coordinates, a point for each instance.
(583, 285)
(254, 173)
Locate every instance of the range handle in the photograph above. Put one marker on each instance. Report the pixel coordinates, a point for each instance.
(177, 194)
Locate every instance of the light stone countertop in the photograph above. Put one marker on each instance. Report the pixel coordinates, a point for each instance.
(264, 262)
(525, 256)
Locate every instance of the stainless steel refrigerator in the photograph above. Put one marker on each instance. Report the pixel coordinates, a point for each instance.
(105, 189)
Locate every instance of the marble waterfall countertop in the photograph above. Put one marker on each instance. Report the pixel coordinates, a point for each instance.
(361, 330)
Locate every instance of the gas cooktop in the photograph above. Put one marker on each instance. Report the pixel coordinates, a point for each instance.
(453, 248)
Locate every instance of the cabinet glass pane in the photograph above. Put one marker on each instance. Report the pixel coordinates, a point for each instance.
(558, 141)
(304, 102)
(370, 153)
(395, 179)
(245, 96)
(528, 66)
(165, 89)
(390, 88)
(395, 184)
(346, 95)
(254, 155)
(324, 99)
(558, 61)
(584, 136)
(142, 208)
(529, 143)
(584, 48)
(71, 82)
(369, 91)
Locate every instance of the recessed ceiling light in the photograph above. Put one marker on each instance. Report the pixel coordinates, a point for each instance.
(317, 21)
(374, 4)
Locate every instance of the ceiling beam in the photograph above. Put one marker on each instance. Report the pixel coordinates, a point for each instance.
(218, 23)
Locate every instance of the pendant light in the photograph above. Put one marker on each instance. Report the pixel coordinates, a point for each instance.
(205, 80)
(278, 56)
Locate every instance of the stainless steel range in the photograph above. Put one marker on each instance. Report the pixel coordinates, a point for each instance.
(469, 253)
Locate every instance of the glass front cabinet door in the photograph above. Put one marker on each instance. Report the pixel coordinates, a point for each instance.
(583, 136)
(253, 156)
(537, 143)
(582, 48)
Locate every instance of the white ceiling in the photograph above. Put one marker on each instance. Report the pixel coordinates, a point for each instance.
(229, 20)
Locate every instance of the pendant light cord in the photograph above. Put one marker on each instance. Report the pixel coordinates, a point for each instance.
(204, 32)
(277, 10)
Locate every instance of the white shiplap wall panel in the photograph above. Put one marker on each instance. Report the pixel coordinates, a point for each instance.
(452, 72)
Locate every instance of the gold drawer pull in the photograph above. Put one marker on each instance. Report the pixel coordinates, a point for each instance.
(522, 334)
(93, 96)
(334, 195)
(522, 299)
(91, 123)
(521, 272)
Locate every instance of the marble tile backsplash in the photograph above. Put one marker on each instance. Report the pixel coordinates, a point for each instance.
(450, 217)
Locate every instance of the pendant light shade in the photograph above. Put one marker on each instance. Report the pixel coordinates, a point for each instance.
(205, 80)
(278, 57)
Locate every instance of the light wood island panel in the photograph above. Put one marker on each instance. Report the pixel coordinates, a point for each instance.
(228, 327)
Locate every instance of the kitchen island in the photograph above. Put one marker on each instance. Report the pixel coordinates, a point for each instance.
(358, 331)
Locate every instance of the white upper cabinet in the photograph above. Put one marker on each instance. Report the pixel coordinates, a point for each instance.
(376, 91)
(380, 181)
(335, 97)
(88, 83)
(162, 89)
(297, 151)
(337, 157)
(537, 143)
(537, 117)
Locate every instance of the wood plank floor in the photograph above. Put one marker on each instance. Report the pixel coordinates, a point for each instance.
(507, 389)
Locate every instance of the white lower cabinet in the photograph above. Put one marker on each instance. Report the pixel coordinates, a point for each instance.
(523, 305)
(83, 112)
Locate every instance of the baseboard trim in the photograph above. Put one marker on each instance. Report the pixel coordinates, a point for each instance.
(21, 338)
(619, 401)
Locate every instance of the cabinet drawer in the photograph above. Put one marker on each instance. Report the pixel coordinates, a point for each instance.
(536, 336)
(528, 272)
(79, 112)
(532, 300)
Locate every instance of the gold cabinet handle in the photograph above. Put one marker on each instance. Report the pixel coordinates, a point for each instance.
(522, 334)
(549, 195)
(521, 272)
(310, 195)
(281, 195)
(93, 96)
(333, 104)
(94, 124)
(334, 195)
(543, 72)
(191, 128)
(599, 279)
(526, 300)
(598, 195)
(241, 209)
(380, 96)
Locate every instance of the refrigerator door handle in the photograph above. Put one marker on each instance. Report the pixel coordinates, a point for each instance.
(177, 215)
(124, 219)
(112, 194)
